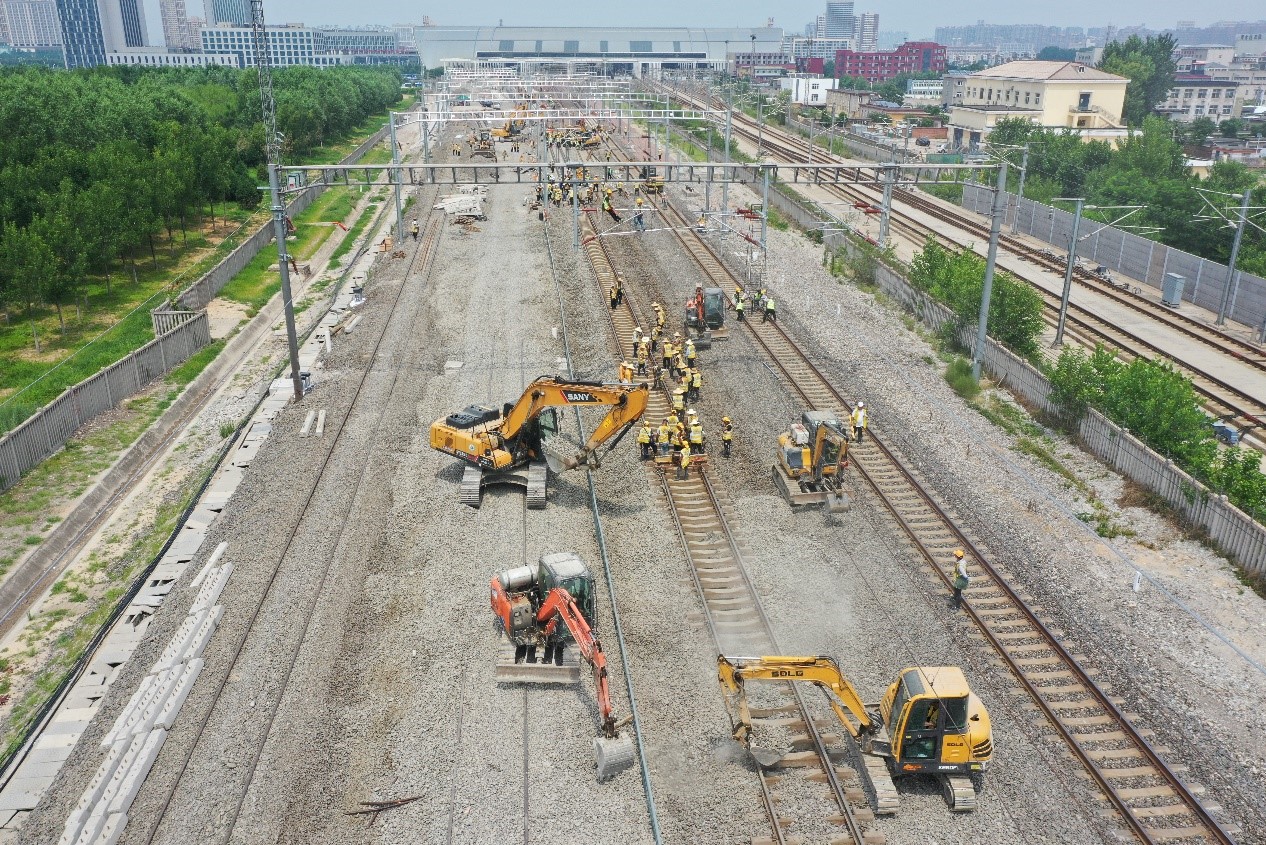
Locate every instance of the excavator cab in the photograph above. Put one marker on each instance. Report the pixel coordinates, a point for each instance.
(568, 571)
(938, 725)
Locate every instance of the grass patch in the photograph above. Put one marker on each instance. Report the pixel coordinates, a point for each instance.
(959, 376)
(1008, 417)
(1037, 450)
(349, 240)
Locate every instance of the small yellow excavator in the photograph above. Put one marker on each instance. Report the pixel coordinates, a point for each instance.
(507, 446)
(812, 455)
(929, 722)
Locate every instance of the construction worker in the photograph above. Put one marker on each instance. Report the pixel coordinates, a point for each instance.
(413, 229)
(696, 436)
(610, 209)
(645, 346)
(657, 373)
(690, 352)
(617, 293)
(858, 419)
(679, 363)
(679, 400)
(664, 437)
(659, 315)
(638, 222)
(769, 313)
(626, 372)
(961, 578)
(644, 438)
(673, 420)
(643, 358)
(683, 469)
(727, 435)
(738, 308)
(668, 356)
(637, 338)
(655, 333)
(696, 383)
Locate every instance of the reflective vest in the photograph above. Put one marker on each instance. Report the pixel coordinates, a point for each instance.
(690, 351)
(728, 434)
(769, 305)
(697, 380)
(679, 399)
(859, 418)
(665, 433)
(696, 434)
(685, 455)
(644, 436)
(673, 420)
(738, 305)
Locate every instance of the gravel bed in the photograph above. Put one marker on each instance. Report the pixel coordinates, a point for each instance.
(1152, 645)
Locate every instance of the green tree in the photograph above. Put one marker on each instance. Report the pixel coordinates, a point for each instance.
(25, 262)
(1200, 130)
(1231, 127)
(1056, 54)
(828, 68)
(1150, 67)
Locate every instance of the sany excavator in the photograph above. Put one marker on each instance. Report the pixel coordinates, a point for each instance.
(507, 446)
(812, 456)
(929, 722)
(529, 605)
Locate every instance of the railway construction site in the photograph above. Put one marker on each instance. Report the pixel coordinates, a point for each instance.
(348, 687)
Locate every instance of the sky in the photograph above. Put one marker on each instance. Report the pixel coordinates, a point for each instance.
(918, 19)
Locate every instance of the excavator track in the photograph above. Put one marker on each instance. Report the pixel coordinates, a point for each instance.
(537, 476)
(472, 487)
(959, 793)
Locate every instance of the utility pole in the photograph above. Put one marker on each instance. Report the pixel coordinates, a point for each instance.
(1024, 171)
(1235, 253)
(886, 209)
(1068, 271)
(575, 219)
(729, 119)
(272, 141)
(991, 259)
(395, 178)
(764, 217)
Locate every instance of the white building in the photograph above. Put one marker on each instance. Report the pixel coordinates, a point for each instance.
(868, 31)
(807, 91)
(287, 45)
(30, 23)
(158, 57)
(814, 48)
(922, 93)
(1251, 45)
(1195, 95)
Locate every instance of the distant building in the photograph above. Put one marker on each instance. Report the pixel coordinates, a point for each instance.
(220, 12)
(814, 48)
(89, 28)
(1196, 95)
(840, 21)
(177, 34)
(852, 103)
(868, 32)
(1250, 45)
(158, 57)
(1020, 39)
(890, 39)
(636, 51)
(807, 91)
(30, 23)
(1089, 56)
(1250, 77)
(923, 93)
(1055, 95)
(882, 65)
(296, 44)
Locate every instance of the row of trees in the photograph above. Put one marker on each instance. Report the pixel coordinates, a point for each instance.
(1147, 169)
(94, 165)
(1158, 405)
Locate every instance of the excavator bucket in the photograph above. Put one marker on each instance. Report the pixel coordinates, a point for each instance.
(837, 502)
(764, 757)
(612, 755)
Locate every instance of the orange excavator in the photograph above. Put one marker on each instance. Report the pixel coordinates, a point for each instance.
(529, 603)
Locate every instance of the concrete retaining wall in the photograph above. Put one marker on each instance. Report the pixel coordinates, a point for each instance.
(51, 426)
(1133, 256)
(1232, 529)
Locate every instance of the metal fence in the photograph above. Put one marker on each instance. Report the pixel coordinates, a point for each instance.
(205, 289)
(1230, 528)
(1133, 256)
(51, 426)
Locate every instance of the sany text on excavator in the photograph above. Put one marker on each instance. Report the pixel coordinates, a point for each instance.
(929, 722)
(507, 446)
(529, 603)
(812, 456)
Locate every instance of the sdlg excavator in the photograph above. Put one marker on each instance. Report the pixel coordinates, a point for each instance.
(929, 722)
(529, 603)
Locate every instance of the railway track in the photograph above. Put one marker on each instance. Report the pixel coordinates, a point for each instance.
(1147, 794)
(376, 410)
(1221, 398)
(735, 618)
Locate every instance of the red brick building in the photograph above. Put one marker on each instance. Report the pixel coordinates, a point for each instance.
(882, 65)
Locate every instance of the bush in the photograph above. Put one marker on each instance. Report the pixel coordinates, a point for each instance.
(960, 379)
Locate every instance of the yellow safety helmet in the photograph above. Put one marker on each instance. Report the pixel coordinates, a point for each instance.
(958, 553)
(725, 419)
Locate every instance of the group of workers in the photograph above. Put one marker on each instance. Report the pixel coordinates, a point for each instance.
(761, 302)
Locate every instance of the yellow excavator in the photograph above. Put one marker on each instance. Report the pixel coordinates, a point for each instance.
(812, 455)
(929, 722)
(507, 446)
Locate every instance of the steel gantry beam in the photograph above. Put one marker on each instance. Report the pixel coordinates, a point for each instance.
(598, 113)
(694, 173)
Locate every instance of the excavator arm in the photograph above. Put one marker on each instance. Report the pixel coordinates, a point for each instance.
(559, 604)
(734, 672)
(627, 401)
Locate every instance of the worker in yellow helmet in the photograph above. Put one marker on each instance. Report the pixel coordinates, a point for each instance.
(727, 435)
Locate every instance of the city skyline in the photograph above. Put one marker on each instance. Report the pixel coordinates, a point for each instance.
(790, 16)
